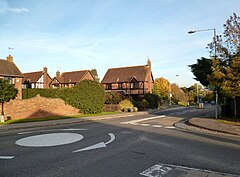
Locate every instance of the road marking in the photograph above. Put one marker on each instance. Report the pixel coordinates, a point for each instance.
(169, 127)
(141, 120)
(156, 171)
(6, 157)
(145, 125)
(160, 170)
(157, 126)
(51, 139)
(69, 129)
(98, 145)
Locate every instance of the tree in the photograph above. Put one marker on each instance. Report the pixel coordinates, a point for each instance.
(226, 65)
(201, 70)
(7, 92)
(95, 74)
(161, 87)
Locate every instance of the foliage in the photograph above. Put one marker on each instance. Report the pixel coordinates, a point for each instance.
(151, 101)
(178, 94)
(95, 75)
(161, 87)
(52, 93)
(125, 104)
(113, 97)
(7, 92)
(226, 65)
(201, 70)
(88, 96)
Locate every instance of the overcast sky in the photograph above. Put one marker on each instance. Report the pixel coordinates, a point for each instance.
(70, 35)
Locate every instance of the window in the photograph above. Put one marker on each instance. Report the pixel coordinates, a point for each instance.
(119, 85)
(134, 85)
(9, 79)
(109, 86)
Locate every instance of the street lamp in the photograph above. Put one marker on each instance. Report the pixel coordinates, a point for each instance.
(215, 55)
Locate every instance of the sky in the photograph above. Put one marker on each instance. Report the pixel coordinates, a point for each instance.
(71, 35)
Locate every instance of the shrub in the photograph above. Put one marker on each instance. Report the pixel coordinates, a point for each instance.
(151, 101)
(113, 97)
(88, 96)
(125, 105)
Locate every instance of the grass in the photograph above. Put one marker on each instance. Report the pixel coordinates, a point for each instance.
(56, 118)
(230, 121)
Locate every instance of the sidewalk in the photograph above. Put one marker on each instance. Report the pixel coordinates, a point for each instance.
(214, 125)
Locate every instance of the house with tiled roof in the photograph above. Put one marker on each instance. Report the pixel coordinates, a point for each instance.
(69, 79)
(10, 72)
(133, 80)
(38, 79)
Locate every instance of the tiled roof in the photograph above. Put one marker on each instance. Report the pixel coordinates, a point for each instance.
(8, 68)
(72, 77)
(33, 76)
(125, 74)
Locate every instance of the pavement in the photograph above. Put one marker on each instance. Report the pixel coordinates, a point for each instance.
(210, 124)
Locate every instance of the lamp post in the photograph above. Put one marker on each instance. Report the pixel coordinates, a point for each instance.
(215, 55)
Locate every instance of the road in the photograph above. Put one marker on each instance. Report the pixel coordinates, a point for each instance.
(136, 146)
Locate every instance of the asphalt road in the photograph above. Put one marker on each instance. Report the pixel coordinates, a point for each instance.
(146, 145)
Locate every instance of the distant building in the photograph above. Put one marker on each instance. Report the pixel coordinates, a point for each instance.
(38, 79)
(133, 80)
(69, 79)
(10, 72)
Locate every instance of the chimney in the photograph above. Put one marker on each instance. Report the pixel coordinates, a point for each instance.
(57, 74)
(45, 77)
(150, 85)
(149, 64)
(10, 58)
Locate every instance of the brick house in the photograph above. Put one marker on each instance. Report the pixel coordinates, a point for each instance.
(133, 80)
(9, 71)
(69, 79)
(38, 79)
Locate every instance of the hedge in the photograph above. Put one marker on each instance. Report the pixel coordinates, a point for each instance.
(87, 96)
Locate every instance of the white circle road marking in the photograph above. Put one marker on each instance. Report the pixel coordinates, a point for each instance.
(51, 139)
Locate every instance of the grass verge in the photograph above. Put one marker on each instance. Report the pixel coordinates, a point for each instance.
(56, 118)
(230, 122)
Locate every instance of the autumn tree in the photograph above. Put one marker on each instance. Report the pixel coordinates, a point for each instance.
(7, 93)
(226, 65)
(178, 93)
(161, 87)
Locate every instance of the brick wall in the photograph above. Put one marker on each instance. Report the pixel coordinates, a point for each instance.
(38, 107)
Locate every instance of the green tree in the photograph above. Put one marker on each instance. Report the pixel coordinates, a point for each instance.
(95, 74)
(7, 92)
(201, 70)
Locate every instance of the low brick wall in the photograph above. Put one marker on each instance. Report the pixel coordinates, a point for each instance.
(38, 107)
(111, 107)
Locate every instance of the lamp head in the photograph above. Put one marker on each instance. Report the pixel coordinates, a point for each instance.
(191, 32)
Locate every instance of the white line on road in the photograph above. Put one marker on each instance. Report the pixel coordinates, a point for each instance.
(98, 145)
(169, 127)
(6, 157)
(161, 169)
(141, 120)
(145, 125)
(157, 126)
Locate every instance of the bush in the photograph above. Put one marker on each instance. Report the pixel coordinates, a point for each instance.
(126, 105)
(151, 101)
(113, 97)
(88, 96)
